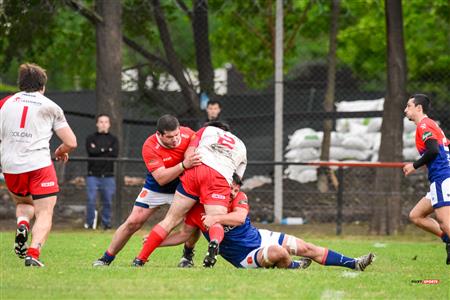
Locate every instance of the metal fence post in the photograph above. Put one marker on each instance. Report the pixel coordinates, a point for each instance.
(119, 188)
(340, 194)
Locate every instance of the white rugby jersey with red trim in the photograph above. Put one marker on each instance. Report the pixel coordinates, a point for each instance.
(27, 122)
(221, 150)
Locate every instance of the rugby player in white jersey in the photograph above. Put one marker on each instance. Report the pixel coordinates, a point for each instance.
(222, 154)
(27, 122)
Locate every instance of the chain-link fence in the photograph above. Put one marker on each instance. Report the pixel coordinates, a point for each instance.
(244, 86)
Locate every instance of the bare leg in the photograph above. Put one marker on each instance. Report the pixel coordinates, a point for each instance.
(178, 209)
(24, 207)
(133, 223)
(443, 217)
(299, 247)
(274, 256)
(419, 215)
(43, 209)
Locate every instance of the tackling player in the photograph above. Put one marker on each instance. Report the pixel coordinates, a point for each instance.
(222, 154)
(246, 246)
(433, 148)
(27, 122)
(164, 156)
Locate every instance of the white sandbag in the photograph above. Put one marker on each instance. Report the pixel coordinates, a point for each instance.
(305, 138)
(374, 125)
(357, 142)
(304, 176)
(340, 153)
(409, 139)
(408, 126)
(302, 154)
(410, 153)
(295, 169)
(360, 105)
(345, 125)
(255, 181)
(336, 138)
(376, 141)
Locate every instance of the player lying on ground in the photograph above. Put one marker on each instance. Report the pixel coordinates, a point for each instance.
(164, 154)
(433, 148)
(246, 246)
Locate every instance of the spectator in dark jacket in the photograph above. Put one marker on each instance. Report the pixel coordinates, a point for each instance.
(101, 172)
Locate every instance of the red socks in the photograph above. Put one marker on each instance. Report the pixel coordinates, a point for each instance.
(216, 232)
(154, 239)
(23, 220)
(33, 252)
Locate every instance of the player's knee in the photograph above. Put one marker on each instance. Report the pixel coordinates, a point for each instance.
(277, 253)
(413, 217)
(445, 226)
(134, 224)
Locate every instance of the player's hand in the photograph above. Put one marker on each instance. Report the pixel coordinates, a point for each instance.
(192, 160)
(60, 155)
(408, 169)
(209, 221)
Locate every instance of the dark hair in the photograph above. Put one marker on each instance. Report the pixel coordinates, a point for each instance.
(218, 124)
(102, 115)
(213, 102)
(32, 78)
(423, 100)
(167, 123)
(237, 179)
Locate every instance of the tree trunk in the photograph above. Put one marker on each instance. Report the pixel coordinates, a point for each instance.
(177, 70)
(386, 217)
(328, 104)
(202, 47)
(108, 89)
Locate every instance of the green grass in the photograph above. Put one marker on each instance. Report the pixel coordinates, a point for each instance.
(68, 273)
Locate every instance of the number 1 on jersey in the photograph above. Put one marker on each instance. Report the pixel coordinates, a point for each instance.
(24, 116)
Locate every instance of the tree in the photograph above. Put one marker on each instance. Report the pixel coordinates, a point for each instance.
(328, 103)
(108, 90)
(386, 218)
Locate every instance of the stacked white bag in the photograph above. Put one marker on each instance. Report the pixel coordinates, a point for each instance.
(355, 139)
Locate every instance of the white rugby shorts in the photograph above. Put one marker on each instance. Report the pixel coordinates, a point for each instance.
(151, 199)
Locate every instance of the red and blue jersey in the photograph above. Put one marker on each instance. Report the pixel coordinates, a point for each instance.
(239, 240)
(156, 156)
(439, 168)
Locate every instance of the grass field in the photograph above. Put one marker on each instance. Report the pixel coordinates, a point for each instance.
(68, 273)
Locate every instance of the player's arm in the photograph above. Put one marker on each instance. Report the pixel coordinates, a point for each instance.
(165, 175)
(177, 238)
(69, 143)
(234, 218)
(432, 150)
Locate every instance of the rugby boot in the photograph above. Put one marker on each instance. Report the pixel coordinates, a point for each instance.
(20, 244)
(303, 263)
(211, 256)
(101, 262)
(362, 262)
(187, 260)
(138, 263)
(33, 262)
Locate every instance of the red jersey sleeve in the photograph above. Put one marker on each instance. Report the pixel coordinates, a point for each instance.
(427, 131)
(152, 160)
(240, 201)
(195, 140)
